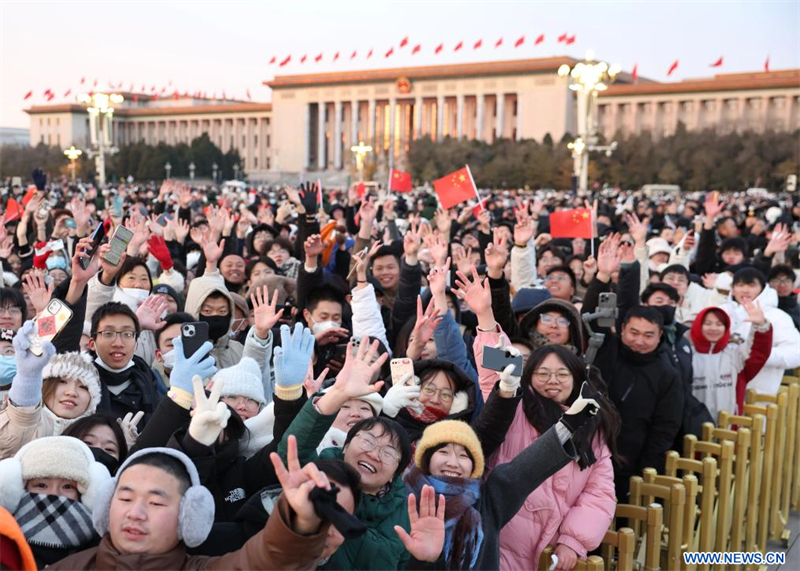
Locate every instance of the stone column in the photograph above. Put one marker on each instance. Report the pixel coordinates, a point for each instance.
(460, 116)
(519, 119)
(354, 122)
(439, 117)
(501, 102)
(371, 124)
(392, 112)
(321, 142)
(307, 131)
(337, 134)
(479, 102)
(418, 117)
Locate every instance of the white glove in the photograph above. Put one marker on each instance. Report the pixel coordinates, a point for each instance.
(582, 410)
(403, 394)
(509, 382)
(128, 426)
(209, 416)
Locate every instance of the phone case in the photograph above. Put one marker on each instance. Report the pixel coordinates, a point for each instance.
(48, 324)
(119, 243)
(497, 360)
(97, 237)
(193, 336)
(400, 368)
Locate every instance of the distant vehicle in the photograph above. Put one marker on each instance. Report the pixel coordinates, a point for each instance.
(757, 192)
(660, 189)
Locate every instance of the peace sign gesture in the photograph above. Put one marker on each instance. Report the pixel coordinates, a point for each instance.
(209, 416)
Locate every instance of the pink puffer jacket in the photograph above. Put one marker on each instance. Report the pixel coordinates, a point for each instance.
(574, 507)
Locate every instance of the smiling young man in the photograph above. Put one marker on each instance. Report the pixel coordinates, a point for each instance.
(127, 383)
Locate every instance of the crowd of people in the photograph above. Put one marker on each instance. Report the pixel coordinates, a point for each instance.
(256, 379)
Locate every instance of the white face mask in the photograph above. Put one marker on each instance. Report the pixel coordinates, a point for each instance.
(132, 297)
(169, 359)
(322, 326)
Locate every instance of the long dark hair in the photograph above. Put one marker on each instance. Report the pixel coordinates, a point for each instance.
(83, 426)
(543, 412)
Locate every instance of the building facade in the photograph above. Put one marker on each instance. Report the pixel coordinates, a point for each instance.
(314, 119)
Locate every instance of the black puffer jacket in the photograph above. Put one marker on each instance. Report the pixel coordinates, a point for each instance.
(464, 401)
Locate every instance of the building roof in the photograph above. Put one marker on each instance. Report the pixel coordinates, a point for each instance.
(157, 111)
(720, 82)
(426, 72)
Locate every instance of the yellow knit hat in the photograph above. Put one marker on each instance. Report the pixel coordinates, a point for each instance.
(456, 432)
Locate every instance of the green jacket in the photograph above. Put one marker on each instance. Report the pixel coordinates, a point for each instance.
(380, 547)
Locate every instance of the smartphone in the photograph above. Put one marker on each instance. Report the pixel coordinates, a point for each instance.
(98, 236)
(400, 368)
(497, 360)
(48, 324)
(339, 352)
(70, 223)
(608, 301)
(118, 202)
(193, 335)
(119, 243)
(163, 219)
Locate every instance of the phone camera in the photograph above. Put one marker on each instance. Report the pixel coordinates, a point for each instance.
(188, 330)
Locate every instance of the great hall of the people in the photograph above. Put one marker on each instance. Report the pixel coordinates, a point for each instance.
(314, 119)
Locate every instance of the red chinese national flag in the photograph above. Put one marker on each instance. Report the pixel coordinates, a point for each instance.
(400, 181)
(539, 40)
(13, 210)
(416, 49)
(459, 45)
(455, 188)
(519, 42)
(575, 223)
(404, 42)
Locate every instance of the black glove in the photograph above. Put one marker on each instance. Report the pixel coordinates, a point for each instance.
(582, 410)
(308, 197)
(328, 509)
(39, 178)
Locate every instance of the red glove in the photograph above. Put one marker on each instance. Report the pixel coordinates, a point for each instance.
(158, 248)
(40, 255)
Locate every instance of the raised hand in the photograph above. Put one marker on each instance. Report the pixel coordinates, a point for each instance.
(437, 278)
(476, 292)
(184, 196)
(443, 222)
(361, 260)
(426, 541)
(199, 364)
(265, 312)
(209, 416)
(462, 259)
(212, 250)
(423, 328)
(110, 271)
(404, 393)
(608, 257)
(780, 240)
(158, 248)
(138, 225)
(39, 293)
(524, 228)
(755, 314)
(589, 269)
(6, 247)
(496, 256)
(484, 221)
(150, 311)
(128, 426)
(637, 228)
(582, 410)
(293, 357)
(437, 246)
(297, 484)
(181, 229)
(39, 178)
(355, 378)
(411, 243)
(313, 246)
(78, 208)
(367, 214)
(311, 384)
(712, 207)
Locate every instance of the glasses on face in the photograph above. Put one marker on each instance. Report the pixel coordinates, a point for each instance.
(12, 311)
(781, 281)
(675, 280)
(562, 322)
(556, 278)
(367, 443)
(430, 390)
(544, 375)
(109, 335)
(236, 401)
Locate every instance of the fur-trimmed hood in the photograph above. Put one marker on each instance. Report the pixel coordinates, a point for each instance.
(567, 309)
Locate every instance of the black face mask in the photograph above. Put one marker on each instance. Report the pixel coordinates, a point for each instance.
(233, 287)
(105, 459)
(667, 312)
(218, 325)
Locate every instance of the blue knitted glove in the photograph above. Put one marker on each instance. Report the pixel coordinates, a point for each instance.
(200, 364)
(291, 361)
(26, 388)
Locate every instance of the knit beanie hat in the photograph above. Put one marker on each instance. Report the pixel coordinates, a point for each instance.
(76, 366)
(451, 431)
(51, 457)
(243, 379)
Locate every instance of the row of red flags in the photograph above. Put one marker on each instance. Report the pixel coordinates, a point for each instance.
(154, 93)
(566, 39)
(459, 187)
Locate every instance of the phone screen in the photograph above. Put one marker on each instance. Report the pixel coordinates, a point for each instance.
(97, 238)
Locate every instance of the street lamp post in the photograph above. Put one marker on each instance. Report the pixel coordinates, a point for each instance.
(191, 171)
(587, 78)
(101, 115)
(236, 171)
(214, 169)
(360, 152)
(168, 168)
(72, 154)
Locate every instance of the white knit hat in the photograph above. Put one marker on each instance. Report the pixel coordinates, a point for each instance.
(243, 379)
(658, 246)
(76, 366)
(51, 457)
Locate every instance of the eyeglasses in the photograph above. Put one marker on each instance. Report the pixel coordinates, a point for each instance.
(235, 401)
(781, 281)
(367, 443)
(557, 278)
(109, 335)
(562, 322)
(675, 280)
(445, 394)
(12, 311)
(544, 375)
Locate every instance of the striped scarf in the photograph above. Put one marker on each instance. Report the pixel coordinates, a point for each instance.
(54, 521)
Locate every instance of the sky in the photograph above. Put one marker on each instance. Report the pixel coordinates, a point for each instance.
(214, 46)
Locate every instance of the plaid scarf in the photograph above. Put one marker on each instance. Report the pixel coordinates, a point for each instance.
(54, 521)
